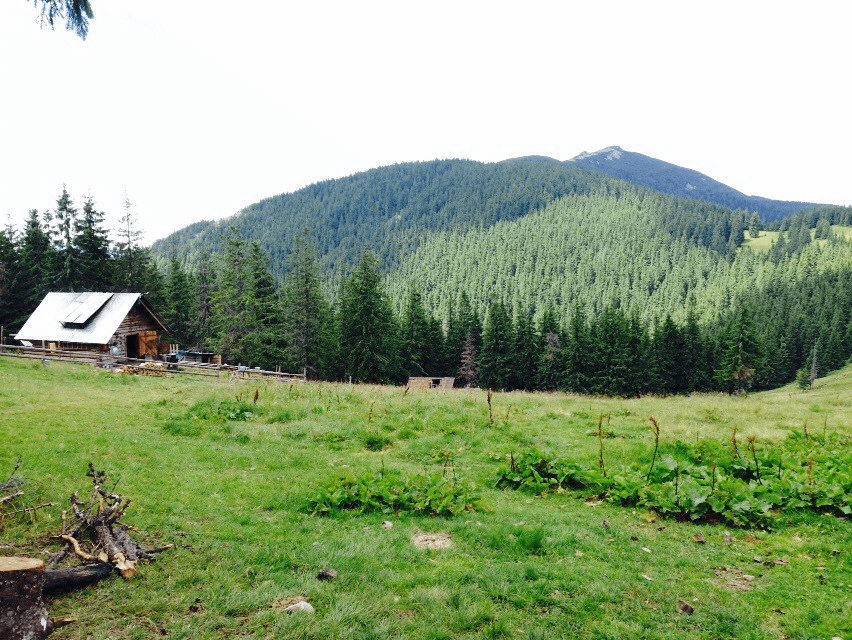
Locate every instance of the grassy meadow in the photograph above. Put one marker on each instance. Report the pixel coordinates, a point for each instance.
(224, 469)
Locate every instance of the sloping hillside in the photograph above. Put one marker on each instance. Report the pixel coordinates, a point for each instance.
(670, 178)
(392, 210)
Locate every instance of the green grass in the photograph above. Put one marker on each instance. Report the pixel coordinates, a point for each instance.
(762, 243)
(767, 238)
(225, 479)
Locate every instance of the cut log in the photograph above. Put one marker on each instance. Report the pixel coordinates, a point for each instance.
(23, 615)
(67, 578)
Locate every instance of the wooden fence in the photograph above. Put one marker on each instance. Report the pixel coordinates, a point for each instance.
(106, 359)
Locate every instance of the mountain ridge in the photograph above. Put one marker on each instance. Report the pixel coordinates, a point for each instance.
(670, 178)
(393, 209)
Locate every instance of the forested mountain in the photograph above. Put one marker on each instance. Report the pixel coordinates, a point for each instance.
(392, 210)
(542, 278)
(669, 178)
(389, 210)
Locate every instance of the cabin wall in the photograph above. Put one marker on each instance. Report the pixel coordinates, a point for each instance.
(137, 323)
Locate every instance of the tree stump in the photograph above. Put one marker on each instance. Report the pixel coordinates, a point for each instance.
(23, 614)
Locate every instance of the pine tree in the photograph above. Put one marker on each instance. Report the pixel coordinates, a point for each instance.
(307, 315)
(179, 311)
(416, 339)
(468, 369)
(496, 362)
(65, 218)
(92, 246)
(369, 335)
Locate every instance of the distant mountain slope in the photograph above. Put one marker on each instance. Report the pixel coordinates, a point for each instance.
(390, 210)
(647, 254)
(670, 178)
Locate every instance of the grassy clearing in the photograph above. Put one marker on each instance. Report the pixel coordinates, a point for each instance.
(767, 238)
(225, 478)
(762, 243)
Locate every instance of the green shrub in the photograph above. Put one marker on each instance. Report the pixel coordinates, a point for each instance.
(812, 473)
(433, 494)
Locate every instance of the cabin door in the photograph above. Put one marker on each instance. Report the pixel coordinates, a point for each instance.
(133, 345)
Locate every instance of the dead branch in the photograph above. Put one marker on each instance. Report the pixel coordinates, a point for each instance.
(98, 525)
(8, 488)
(10, 496)
(33, 508)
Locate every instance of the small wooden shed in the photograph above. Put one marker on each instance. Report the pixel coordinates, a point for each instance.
(96, 321)
(431, 383)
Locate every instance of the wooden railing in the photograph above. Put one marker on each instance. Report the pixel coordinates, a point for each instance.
(148, 367)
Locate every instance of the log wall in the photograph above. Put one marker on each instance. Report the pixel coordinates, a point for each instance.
(138, 321)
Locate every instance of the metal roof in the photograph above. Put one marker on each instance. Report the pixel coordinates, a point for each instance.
(48, 322)
(83, 307)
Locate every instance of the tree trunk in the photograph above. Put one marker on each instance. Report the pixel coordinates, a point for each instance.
(23, 614)
(68, 578)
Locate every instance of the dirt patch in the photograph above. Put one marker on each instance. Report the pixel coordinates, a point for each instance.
(735, 579)
(281, 604)
(438, 540)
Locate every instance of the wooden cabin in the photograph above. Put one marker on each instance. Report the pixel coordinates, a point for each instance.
(124, 323)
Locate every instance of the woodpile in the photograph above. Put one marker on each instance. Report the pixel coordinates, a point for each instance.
(98, 524)
(97, 537)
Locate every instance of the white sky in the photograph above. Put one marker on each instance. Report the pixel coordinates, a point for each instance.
(198, 109)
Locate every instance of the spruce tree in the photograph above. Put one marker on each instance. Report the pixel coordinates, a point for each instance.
(369, 335)
(9, 310)
(308, 322)
(36, 266)
(416, 339)
(496, 358)
(551, 366)
(741, 358)
(468, 369)
(65, 218)
(128, 250)
(206, 279)
(263, 339)
(179, 310)
(93, 253)
(526, 353)
(579, 353)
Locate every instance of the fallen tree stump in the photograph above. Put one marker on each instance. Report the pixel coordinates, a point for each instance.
(23, 615)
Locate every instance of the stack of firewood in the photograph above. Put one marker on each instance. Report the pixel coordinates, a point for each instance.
(97, 538)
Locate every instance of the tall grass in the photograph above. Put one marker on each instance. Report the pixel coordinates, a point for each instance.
(223, 469)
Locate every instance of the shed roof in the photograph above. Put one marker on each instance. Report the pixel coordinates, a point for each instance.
(90, 318)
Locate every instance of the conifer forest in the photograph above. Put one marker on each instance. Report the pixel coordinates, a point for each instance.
(526, 274)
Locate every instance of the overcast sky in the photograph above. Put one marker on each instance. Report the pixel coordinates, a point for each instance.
(197, 109)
